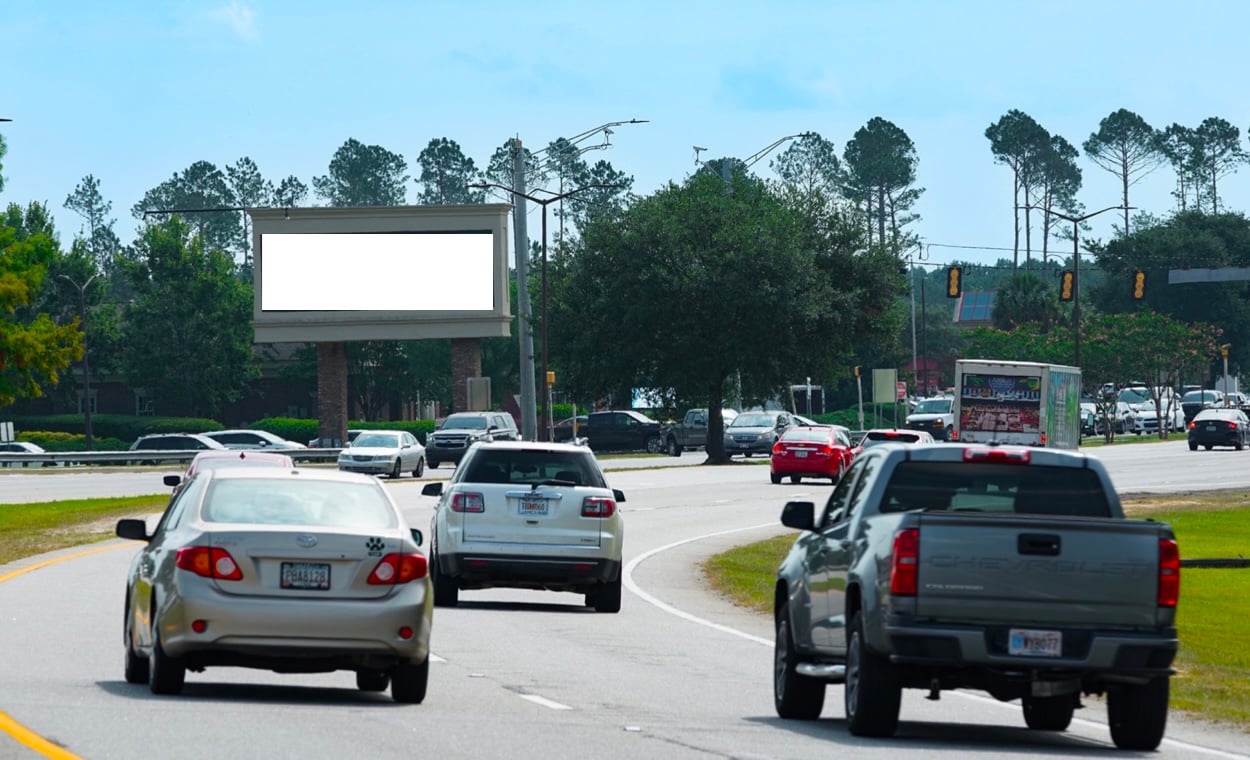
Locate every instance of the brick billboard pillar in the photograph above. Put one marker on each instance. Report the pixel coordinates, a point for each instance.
(332, 394)
(466, 362)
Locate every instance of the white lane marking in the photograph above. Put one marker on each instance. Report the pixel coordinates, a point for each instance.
(633, 587)
(544, 702)
(436, 658)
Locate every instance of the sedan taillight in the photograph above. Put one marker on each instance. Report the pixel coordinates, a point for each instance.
(208, 562)
(394, 569)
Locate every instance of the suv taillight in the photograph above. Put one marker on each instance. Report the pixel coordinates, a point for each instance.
(905, 562)
(598, 506)
(467, 501)
(1169, 572)
(394, 569)
(208, 562)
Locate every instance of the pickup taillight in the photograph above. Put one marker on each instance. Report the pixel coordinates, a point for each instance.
(1169, 572)
(905, 562)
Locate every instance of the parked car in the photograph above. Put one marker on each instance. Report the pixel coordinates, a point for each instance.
(813, 452)
(207, 460)
(528, 515)
(174, 442)
(879, 436)
(691, 432)
(316, 442)
(384, 452)
(1089, 418)
(1195, 401)
(295, 571)
(563, 431)
(23, 447)
(623, 430)
(756, 432)
(252, 439)
(1219, 427)
(461, 430)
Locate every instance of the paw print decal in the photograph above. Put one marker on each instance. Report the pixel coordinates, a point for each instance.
(375, 546)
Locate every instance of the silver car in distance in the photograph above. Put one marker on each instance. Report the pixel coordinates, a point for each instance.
(290, 570)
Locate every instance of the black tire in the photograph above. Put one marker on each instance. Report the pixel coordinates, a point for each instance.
(949, 433)
(795, 478)
(1193, 447)
(446, 592)
(135, 666)
(432, 463)
(1049, 713)
(607, 596)
(420, 470)
(372, 680)
(774, 477)
(872, 692)
(1208, 446)
(673, 449)
(1238, 446)
(396, 473)
(841, 473)
(1138, 714)
(795, 697)
(653, 445)
(409, 682)
(166, 674)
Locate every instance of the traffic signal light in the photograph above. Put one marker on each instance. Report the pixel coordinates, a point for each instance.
(954, 282)
(1067, 284)
(1139, 285)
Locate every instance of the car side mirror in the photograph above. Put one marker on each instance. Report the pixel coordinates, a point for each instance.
(172, 480)
(799, 514)
(133, 529)
(417, 536)
(432, 489)
(619, 495)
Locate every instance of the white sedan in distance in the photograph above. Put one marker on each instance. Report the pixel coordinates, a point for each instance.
(384, 452)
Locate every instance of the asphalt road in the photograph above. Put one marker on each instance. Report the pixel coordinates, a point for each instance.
(679, 673)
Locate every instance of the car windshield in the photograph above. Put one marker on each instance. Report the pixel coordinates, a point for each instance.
(467, 422)
(996, 488)
(294, 502)
(1198, 397)
(934, 406)
(872, 438)
(752, 419)
(1135, 395)
(376, 440)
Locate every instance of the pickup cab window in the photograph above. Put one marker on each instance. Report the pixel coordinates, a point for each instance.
(836, 507)
(996, 488)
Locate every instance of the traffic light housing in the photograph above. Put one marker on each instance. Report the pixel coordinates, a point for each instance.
(954, 282)
(1139, 285)
(1067, 285)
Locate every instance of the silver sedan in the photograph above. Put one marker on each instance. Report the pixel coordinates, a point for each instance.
(290, 570)
(384, 452)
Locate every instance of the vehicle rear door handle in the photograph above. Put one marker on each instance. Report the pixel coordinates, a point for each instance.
(1044, 544)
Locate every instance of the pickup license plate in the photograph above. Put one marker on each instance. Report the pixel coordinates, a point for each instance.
(800, 454)
(533, 505)
(1032, 643)
(306, 575)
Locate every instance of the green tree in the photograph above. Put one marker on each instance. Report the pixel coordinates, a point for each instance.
(1018, 142)
(1218, 153)
(1025, 297)
(1059, 179)
(363, 175)
(189, 331)
(3, 149)
(99, 241)
(290, 192)
(251, 190)
(195, 191)
(1179, 145)
(1126, 146)
(446, 174)
(881, 164)
(810, 169)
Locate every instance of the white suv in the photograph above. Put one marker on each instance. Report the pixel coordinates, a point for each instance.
(520, 514)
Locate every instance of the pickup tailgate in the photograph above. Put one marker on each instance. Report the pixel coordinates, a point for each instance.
(1052, 570)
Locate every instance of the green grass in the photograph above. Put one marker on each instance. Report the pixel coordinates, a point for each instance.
(1213, 665)
(29, 529)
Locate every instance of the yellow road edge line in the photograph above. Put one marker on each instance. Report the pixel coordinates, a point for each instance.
(11, 727)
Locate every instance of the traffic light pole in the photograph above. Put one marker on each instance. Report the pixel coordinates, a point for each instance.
(1076, 273)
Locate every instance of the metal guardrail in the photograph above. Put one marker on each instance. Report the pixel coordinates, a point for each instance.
(21, 459)
(1217, 562)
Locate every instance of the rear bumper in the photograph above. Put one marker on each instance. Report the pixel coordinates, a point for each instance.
(563, 573)
(445, 453)
(812, 467)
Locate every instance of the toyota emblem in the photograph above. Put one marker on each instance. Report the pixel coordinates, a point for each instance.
(306, 540)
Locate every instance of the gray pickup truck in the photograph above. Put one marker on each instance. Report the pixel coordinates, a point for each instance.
(1012, 571)
(691, 432)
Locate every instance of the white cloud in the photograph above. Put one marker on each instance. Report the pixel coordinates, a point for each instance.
(240, 18)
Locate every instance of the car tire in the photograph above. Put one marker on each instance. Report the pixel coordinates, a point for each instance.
(446, 592)
(420, 468)
(166, 675)
(1207, 446)
(1238, 445)
(1049, 713)
(409, 682)
(653, 445)
(949, 433)
(796, 478)
(372, 680)
(872, 693)
(135, 665)
(673, 449)
(1193, 447)
(606, 597)
(395, 471)
(841, 473)
(432, 463)
(795, 697)
(1137, 715)
(775, 478)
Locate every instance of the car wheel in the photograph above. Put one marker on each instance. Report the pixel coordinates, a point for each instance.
(136, 666)
(841, 473)
(1208, 446)
(409, 682)
(1138, 714)
(1193, 447)
(949, 433)
(395, 472)
(432, 463)
(654, 445)
(166, 674)
(446, 592)
(795, 478)
(872, 692)
(795, 697)
(774, 477)
(673, 449)
(1238, 445)
(606, 597)
(420, 470)
(372, 680)
(1049, 713)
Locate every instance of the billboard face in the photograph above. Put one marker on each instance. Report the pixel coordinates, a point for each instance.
(380, 273)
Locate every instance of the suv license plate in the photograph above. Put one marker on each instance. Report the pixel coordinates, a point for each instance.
(1031, 643)
(306, 575)
(533, 505)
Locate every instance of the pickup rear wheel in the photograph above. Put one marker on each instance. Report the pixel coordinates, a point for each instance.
(1138, 714)
(654, 445)
(673, 449)
(872, 692)
(1049, 713)
(795, 697)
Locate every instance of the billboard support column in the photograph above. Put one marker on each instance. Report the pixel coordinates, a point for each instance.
(332, 394)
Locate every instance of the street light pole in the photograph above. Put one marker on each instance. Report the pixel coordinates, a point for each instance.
(86, 371)
(1076, 273)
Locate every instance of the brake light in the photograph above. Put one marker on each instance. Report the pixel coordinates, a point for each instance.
(1169, 572)
(208, 562)
(1004, 456)
(394, 569)
(827, 450)
(598, 506)
(467, 501)
(905, 562)
(778, 448)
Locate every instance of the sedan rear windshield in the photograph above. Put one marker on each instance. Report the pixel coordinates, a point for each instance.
(818, 435)
(995, 488)
(532, 466)
(292, 502)
(872, 439)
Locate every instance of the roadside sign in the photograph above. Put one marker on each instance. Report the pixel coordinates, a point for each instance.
(884, 386)
(902, 390)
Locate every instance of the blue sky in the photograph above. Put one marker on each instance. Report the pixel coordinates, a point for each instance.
(133, 92)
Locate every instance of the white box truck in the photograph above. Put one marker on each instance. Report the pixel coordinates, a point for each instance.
(1017, 403)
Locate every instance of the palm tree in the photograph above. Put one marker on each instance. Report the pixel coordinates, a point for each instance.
(1024, 297)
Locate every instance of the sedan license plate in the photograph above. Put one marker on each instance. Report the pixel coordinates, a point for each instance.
(306, 575)
(1031, 643)
(533, 505)
(800, 454)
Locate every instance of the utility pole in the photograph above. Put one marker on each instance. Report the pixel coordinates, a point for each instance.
(86, 370)
(529, 413)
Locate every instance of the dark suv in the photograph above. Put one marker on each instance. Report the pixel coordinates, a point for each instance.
(463, 429)
(174, 442)
(625, 430)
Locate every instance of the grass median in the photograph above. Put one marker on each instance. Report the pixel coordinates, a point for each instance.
(30, 529)
(1213, 665)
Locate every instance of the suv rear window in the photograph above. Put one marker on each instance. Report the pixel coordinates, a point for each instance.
(995, 488)
(530, 466)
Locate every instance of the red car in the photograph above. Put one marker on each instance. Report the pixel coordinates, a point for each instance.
(811, 452)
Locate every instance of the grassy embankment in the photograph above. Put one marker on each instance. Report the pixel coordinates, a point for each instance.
(1213, 665)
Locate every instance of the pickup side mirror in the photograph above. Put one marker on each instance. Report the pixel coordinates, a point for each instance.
(799, 514)
(619, 495)
(432, 489)
(133, 529)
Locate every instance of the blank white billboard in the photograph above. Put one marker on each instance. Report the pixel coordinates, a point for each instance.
(377, 271)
